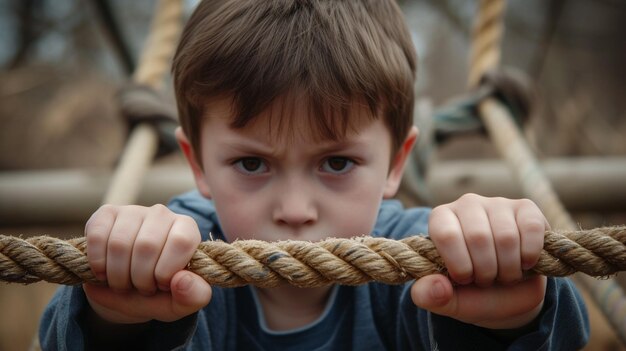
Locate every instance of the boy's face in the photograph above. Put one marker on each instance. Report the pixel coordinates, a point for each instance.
(273, 186)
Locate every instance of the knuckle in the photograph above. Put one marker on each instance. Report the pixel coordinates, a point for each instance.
(186, 220)
(107, 209)
(190, 227)
(100, 222)
(437, 210)
(145, 247)
(96, 235)
(437, 214)
(478, 239)
(445, 236)
(526, 203)
(183, 240)
(507, 240)
(533, 225)
(118, 244)
(160, 209)
(470, 197)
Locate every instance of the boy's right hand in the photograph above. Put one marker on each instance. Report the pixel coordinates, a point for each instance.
(141, 254)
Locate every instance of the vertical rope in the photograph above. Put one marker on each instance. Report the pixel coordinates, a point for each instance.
(486, 38)
(510, 143)
(153, 65)
(159, 47)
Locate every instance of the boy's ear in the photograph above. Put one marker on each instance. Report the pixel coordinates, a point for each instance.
(399, 162)
(196, 168)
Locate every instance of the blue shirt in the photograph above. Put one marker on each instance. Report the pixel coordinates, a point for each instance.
(373, 316)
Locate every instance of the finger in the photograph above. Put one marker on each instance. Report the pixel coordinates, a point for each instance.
(120, 247)
(190, 293)
(115, 307)
(182, 242)
(490, 307)
(507, 241)
(147, 248)
(501, 306)
(445, 230)
(532, 225)
(132, 307)
(480, 243)
(97, 231)
(434, 293)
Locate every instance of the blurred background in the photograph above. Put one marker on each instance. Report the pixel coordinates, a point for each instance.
(62, 63)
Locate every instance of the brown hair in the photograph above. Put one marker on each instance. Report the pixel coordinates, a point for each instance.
(337, 52)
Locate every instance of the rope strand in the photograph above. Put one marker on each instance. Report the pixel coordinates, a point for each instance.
(598, 252)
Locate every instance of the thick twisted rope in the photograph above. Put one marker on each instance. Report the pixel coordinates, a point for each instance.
(598, 252)
(486, 38)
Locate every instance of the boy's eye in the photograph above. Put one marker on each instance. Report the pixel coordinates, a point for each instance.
(251, 165)
(337, 165)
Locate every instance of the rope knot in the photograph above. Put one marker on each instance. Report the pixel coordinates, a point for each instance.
(143, 104)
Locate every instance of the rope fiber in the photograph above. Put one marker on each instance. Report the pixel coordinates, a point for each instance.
(598, 252)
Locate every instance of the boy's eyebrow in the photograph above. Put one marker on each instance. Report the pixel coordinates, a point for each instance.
(342, 145)
(321, 147)
(247, 145)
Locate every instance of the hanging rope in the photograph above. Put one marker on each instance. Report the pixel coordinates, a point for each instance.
(486, 38)
(153, 65)
(598, 252)
(512, 146)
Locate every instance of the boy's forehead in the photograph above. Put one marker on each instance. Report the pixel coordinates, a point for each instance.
(290, 117)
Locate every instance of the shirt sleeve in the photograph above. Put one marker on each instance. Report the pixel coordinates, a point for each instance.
(202, 210)
(396, 222)
(59, 327)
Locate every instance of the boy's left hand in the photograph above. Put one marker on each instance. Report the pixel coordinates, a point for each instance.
(486, 244)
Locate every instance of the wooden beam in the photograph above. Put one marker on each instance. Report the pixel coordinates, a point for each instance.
(61, 196)
(581, 183)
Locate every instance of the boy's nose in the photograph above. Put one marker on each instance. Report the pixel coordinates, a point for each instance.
(295, 208)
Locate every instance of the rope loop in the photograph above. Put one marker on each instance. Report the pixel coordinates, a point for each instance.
(140, 103)
(460, 116)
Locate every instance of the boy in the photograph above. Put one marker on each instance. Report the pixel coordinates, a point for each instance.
(296, 122)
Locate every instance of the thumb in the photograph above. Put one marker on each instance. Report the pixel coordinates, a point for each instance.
(434, 293)
(189, 293)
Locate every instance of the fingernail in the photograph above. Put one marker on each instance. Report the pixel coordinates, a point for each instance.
(437, 291)
(184, 283)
